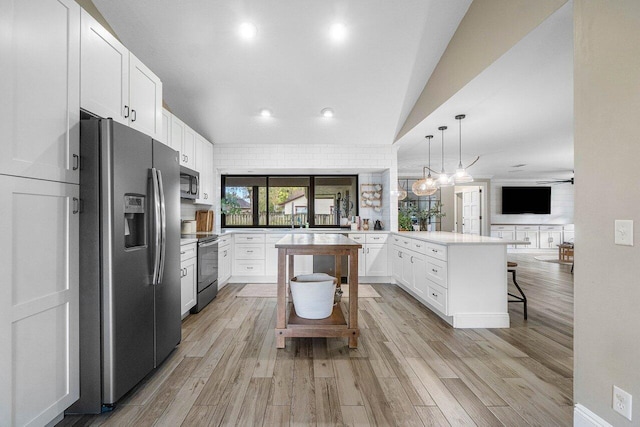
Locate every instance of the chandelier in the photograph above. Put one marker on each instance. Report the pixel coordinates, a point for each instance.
(461, 176)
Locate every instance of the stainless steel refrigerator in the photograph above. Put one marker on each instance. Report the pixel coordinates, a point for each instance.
(129, 260)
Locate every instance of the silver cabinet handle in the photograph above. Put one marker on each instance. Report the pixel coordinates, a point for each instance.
(134, 116)
(249, 252)
(434, 295)
(418, 246)
(126, 111)
(249, 268)
(412, 260)
(76, 205)
(186, 157)
(76, 162)
(182, 253)
(434, 270)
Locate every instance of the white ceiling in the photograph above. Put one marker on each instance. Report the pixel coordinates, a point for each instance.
(217, 82)
(519, 111)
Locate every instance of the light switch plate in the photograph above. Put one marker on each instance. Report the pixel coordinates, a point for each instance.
(624, 232)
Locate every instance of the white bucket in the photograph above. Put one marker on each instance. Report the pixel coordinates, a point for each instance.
(313, 295)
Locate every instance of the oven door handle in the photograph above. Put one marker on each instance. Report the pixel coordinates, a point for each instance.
(206, 245)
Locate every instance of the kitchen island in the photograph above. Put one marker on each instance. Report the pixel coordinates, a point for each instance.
(335, 325)
(461, 277)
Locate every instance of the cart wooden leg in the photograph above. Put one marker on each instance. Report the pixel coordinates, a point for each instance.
(353, 296)
(339, 269)
(282, 301)
(292, 274)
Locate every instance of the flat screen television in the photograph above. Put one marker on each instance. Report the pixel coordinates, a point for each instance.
(526, 200)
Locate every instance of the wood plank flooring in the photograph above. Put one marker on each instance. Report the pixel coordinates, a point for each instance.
(411, 368)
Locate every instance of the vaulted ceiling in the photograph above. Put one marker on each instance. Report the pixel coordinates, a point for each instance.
(519, 110)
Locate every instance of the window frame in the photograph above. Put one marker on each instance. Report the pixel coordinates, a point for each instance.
(310, 205)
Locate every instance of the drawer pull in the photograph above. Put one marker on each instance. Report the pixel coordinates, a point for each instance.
(249, 252)
(399, 254)
(182, 253)
(249, 268)
(434, 270)
(412, 260)
(434, 295)
(434, 250)
(418, 246)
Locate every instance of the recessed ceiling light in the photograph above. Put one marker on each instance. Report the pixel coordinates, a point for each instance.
(327, 112)
(248, 30)
(338, 32)
(265, 112)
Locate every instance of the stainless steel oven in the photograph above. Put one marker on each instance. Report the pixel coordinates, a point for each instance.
(207, 271)
(189, 183)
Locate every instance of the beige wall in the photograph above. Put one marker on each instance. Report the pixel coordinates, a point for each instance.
(607, 149)
(488, 30)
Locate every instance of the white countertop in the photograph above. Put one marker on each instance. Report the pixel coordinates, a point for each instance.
(448, 238)
(228, 231)
(187, 241)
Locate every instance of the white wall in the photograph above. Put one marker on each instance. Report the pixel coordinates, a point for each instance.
(365, 161)
(607, 102)
(562, 204)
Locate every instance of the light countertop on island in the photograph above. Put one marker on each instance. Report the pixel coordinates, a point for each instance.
(448, 238)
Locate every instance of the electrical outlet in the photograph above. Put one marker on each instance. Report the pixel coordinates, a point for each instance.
(622, 402)
(624, 232)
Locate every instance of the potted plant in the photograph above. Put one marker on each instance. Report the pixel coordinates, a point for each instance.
(405, 214)
(434, 213)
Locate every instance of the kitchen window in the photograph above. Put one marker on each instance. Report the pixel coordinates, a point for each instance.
(286, 200)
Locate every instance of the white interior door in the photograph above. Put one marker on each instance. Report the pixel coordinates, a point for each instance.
(471, 210)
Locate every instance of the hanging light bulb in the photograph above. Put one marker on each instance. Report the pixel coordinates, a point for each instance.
(443, 178)
(427, 185)
(461, 176)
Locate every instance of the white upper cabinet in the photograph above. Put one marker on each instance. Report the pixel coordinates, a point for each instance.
(145, 99)
(40, 86)
(104, 72)
(204, 165)
(166, 128)
(188, 151)
(115, 83)
(177, 135)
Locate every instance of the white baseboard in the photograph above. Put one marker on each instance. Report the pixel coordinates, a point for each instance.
(582, 417)
(481, 320)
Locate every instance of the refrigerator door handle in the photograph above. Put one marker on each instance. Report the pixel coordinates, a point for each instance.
(156, 225)
(163, 227)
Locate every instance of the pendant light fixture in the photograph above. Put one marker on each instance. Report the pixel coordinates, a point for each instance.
(461, 176)
(443, 179)
(402, 193)
(427, 185)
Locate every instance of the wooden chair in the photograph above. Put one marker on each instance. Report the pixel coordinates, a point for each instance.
(511, 268)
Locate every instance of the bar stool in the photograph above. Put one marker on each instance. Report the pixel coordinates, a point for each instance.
(511, 268)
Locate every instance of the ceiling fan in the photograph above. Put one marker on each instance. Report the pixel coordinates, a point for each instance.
(557, 181)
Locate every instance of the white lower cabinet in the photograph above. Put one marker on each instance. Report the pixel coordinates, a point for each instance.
(528, 234)
(507, 232)
(249, 254)
(39, 365)
(188, 276)
(550, 236)
(419, 267)
(373, 257)
(224, 260)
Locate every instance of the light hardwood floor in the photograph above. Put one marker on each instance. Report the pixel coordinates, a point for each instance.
(411, 368)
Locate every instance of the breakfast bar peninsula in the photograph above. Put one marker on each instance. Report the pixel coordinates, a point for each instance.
(460, 277)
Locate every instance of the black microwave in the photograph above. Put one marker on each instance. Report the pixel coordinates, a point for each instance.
(189, 183)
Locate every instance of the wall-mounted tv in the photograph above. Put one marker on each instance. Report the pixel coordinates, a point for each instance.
(526, 200)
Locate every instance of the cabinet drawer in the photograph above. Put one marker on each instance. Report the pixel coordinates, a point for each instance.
(527, 228)
(437, 271)
(376, 238)
(248, 268)
(436, 251)
(188, 251)
(360, 238)
(226, 240)
(249, 238)
(503, 228)
(418, 246)
(247, 251)
(550, 228)
(274, 238)
(437, 297)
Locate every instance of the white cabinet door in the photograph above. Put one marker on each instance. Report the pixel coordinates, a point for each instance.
(376, 261)
(188, 150)
(362, 261)
(40, 87)
(145, 99)
(407, 268)
(177, 135)
(188, 284)
(419, 276)
(39, 365)
(166, 129)
(104, 72)
(204, 165)
(396, 263)
(550, 239)
(528, 236)
(224, 264)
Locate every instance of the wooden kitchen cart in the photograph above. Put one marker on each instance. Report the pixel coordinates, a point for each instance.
(334, 325)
